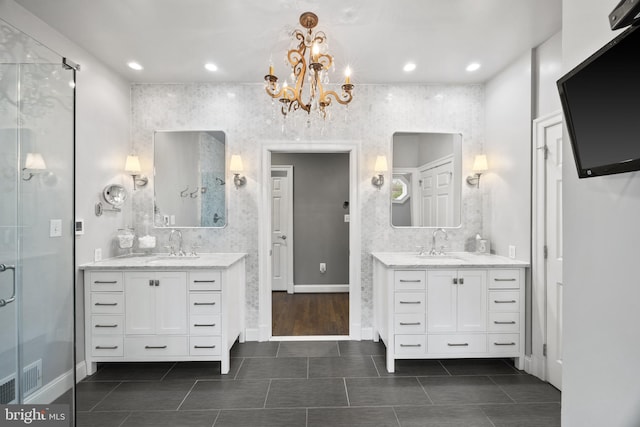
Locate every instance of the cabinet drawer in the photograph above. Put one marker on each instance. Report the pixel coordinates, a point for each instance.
(205, 346)
(504, 322)
(205, 303)
(204, 325)
(410, 344)
(107, 325)
(409, 323)
(409, 302)
(105, 281)
(409, 280)
(504, 343)
(107, 346)
(207, 280)
(107, 303)
(504, 279)
(140, 347)
(504, 301)
(457, 344)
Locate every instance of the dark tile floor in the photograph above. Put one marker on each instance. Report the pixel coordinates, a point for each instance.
(320, 384)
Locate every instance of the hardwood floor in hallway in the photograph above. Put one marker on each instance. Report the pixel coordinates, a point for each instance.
(310, 314)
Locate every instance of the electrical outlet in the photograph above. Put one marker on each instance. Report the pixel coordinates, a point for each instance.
(55, 228)
(97, 254)
(323, 267)
(512, 252)
(347, 218)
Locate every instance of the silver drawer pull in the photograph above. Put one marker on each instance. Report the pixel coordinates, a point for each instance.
(109, 304)
(504, 343)
(152, 347)
(204, 346)
(197, 325)
(105, 282)
(409, 302)
(505, 302)
(410, 345)
(106, 326)
(204, 303)
(204, 281)
(409, 323)
(505, 280)
(102, 347)
(497, 322)
(410, 281)
(466, 344)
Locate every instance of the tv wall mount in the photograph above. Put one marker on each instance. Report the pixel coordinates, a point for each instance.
(626, 13)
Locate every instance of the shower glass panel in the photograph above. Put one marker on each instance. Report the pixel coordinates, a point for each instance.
(37, 102)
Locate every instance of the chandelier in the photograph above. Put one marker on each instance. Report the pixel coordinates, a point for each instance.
(313, 68)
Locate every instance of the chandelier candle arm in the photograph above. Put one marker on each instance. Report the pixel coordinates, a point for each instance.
(319, 62)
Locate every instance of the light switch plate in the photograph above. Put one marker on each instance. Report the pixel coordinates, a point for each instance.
(512, 252)
(97, 254)
(55, 228)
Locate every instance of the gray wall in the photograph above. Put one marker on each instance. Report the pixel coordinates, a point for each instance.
(601, 378)
(321, 186)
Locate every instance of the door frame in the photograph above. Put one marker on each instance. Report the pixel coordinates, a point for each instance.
(538, 363)
(289, 170)
(264, 226)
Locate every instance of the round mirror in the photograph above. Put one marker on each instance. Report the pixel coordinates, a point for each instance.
(115, 195)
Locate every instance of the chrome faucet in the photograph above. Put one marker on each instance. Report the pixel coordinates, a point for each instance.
(433, 250)
(172, 250)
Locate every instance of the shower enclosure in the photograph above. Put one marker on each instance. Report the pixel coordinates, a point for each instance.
(37, 103)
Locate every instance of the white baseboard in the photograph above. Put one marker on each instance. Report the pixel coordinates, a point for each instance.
(81, 371)
(535, 365)
(302, 289)
(251, 334)
(52, 390)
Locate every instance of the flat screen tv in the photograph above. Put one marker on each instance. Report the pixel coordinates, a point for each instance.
(601, 103)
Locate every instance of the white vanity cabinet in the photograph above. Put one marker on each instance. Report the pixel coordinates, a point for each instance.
(137, 310)
(471, 307)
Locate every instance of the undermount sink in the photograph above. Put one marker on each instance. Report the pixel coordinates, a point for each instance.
(437, 256)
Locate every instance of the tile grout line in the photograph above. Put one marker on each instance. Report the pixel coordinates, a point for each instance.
(444, 367)
(266, 396)
(187, 395)
(125, 419)
(425, 391)
(393, 408)
(217, 416)
(235, 377)
(169, 370)
(501, 389)
(375, 366)
(107, 395)
(346, 391)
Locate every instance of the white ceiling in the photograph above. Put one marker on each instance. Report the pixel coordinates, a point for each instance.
(173, 39)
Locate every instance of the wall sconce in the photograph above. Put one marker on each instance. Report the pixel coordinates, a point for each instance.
(235, 167)
(479, 166)
(380, 168)
(33, 165)
(132, 165)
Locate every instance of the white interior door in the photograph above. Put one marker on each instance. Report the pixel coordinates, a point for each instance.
(436, 193)
(427, 202)
(553, 237)
(282, 228)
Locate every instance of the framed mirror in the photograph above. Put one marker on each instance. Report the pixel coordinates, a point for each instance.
(426, 181)
(189, 179)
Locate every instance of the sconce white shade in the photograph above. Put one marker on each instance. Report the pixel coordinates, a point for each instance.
(34, 161)
(132, 165)
(381, 164)
(480, 163)
(235, 165)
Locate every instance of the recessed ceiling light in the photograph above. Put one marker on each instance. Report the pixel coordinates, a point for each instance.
(211, 67)
(473, 66)
(135, 66)
(409, 66)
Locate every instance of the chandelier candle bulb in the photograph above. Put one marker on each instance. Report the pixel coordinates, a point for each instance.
(347, 76)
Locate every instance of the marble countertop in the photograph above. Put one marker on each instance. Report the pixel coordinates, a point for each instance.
(165, 262)
(451, 259)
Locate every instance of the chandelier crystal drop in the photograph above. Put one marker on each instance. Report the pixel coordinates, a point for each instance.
(310, 63)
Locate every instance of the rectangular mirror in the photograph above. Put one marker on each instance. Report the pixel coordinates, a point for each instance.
(426, 182)
(189, 179)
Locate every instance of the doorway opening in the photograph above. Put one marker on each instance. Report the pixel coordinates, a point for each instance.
(309, 229)
(310, 243)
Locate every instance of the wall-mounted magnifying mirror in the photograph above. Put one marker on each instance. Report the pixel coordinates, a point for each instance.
(115, 195)
(426, 179)
(189, 179)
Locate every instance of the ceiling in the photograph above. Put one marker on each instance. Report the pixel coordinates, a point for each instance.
(173, 39)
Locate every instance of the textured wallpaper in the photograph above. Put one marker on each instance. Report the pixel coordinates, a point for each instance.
(250, 118)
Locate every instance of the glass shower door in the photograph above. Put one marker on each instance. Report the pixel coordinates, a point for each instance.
(37, 113)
